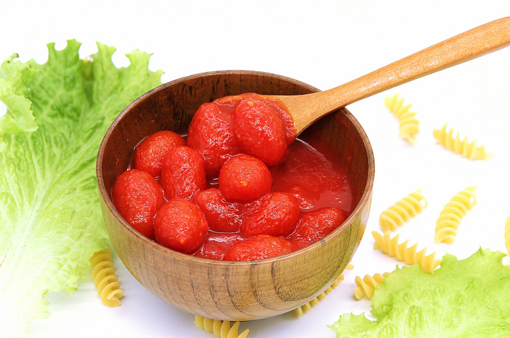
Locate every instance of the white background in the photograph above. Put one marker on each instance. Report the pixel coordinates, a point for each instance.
(325, 44)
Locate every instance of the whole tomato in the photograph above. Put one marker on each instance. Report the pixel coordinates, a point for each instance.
(150, 152)
(222, 216)
(275, 214)
(315, 225)
(216, 245)
(259, 131)
(210, 132)
(180, 225)
(244, 178)
(137, 197)
(260, 247)
(183, 173)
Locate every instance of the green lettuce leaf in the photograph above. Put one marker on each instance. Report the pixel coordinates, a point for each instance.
(51, 222)
(463, 298)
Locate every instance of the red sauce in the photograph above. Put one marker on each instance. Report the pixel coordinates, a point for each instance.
(316, 181)
(280, 195)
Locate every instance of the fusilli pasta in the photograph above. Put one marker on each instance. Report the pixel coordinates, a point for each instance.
(463, 147)
(402, 211)
(308, 306)
(507, 235)
(367, 285)
(105, 280)
(403, 253)
(409, 125)
(451, 215)
(220, 328)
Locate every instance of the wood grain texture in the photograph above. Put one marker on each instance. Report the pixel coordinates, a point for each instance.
(232, 290)
(466, 46)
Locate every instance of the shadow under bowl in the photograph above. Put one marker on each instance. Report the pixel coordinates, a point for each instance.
(229, 290)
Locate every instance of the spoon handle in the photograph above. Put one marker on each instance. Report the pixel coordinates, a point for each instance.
(305, 109)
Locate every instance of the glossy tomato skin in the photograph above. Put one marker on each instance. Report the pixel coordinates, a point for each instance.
(259, 131)
(276, 214)
(222, 216)
(150, 152)
(216, 245)
(315, 225)
(137, 196)
(244, 178)
(210, 132)
(183, 173)
(260, 247)
(180, 225)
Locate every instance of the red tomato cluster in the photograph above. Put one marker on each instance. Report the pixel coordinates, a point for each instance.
(226, 192)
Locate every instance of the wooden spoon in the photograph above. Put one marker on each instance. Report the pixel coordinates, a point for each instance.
(306, 109)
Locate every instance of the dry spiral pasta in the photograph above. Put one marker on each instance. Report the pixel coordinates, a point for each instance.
(402, 211)
(452, 214)
(220, 328)
(308, 306)
(105, 280)
(463, 147)
(409, 125)
(403, 253)
(367, 284)
(507, 235)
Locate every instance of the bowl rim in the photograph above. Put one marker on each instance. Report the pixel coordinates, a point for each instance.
(364, 199)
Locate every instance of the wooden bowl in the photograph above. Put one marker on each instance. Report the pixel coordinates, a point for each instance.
(230, 290)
